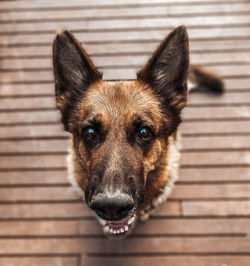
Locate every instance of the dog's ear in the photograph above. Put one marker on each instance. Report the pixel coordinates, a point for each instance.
(74, 72)
(166, 71)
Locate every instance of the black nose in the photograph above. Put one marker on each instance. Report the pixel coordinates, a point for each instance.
(112, 208)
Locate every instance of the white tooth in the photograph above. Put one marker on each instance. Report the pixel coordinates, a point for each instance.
(126, 228)
(130, 221)
(115, 232)
(122, 230)
(105, 229)
(102, 221)
(111, 230)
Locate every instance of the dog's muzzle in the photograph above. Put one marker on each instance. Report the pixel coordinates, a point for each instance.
(116, 212)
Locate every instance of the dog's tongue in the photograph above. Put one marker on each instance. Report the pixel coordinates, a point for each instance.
(117, 225)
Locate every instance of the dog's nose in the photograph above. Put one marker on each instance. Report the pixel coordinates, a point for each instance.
(112, 208)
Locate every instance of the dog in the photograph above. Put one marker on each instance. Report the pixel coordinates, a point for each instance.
(125, 140)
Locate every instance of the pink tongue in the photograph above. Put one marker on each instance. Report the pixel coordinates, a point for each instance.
(115, 225)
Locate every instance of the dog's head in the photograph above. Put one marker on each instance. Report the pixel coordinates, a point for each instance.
(120, 129)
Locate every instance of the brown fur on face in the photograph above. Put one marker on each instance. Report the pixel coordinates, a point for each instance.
(117, 157)
(118, 106)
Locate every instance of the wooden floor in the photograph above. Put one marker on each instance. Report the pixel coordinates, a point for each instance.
(206, 222)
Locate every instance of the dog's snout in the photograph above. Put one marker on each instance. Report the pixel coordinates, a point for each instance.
(112, 208)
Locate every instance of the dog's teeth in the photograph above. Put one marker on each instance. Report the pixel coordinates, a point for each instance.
(111, 230)
(106, 229)
(126, 228)
(130, 221)
(122, 230)
(102, 221)
(115, 232)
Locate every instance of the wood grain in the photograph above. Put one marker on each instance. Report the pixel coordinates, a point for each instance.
(43, 221)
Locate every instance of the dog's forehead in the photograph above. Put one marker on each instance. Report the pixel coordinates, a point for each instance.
(118, 99)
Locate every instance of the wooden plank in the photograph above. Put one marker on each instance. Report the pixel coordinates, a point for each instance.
(196, 47)
(127, 246)
(216, 112)
(215, 158)
(91, 37)
(120, 24)
(39, 194)
(132, 24)
(223, 174)
(34, 177)
(76, 210)
(173, 226)
(194, 260)
(215, 142)
(57, 3)
(131, 60)
(110, 72)
(52, 228)
(29, 117)
(207, 191)
(26, 103)
(41, 146)
(39, 261)
(226, 98)
(27, 89)
(45, 211)
(215, 127)
(233, 83)
(216, 208)
(109, 13)
(34, 131)
(33, 161)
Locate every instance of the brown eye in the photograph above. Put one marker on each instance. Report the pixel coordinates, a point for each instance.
(144, 133)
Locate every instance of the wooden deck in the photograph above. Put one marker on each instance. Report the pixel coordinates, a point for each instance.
(206, 222)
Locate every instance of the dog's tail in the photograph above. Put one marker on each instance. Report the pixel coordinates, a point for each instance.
(201, 78)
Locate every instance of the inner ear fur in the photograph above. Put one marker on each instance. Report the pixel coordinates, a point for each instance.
(74, 72)
(166, 71)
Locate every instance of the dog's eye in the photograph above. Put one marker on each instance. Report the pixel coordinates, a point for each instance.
(89, 133)
(144, 134)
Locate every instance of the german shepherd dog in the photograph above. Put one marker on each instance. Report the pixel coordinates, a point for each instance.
(124, 156)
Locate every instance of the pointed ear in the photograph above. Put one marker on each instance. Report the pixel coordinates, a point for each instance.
(166, 70)
(74, 72)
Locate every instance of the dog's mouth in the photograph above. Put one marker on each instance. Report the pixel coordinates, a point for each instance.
(118, 228)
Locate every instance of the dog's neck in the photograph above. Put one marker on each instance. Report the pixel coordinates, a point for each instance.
(160, 182)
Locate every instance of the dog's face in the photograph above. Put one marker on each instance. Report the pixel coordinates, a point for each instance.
(120, 130)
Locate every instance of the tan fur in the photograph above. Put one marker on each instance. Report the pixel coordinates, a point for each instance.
(118, 113)
(158, 191)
